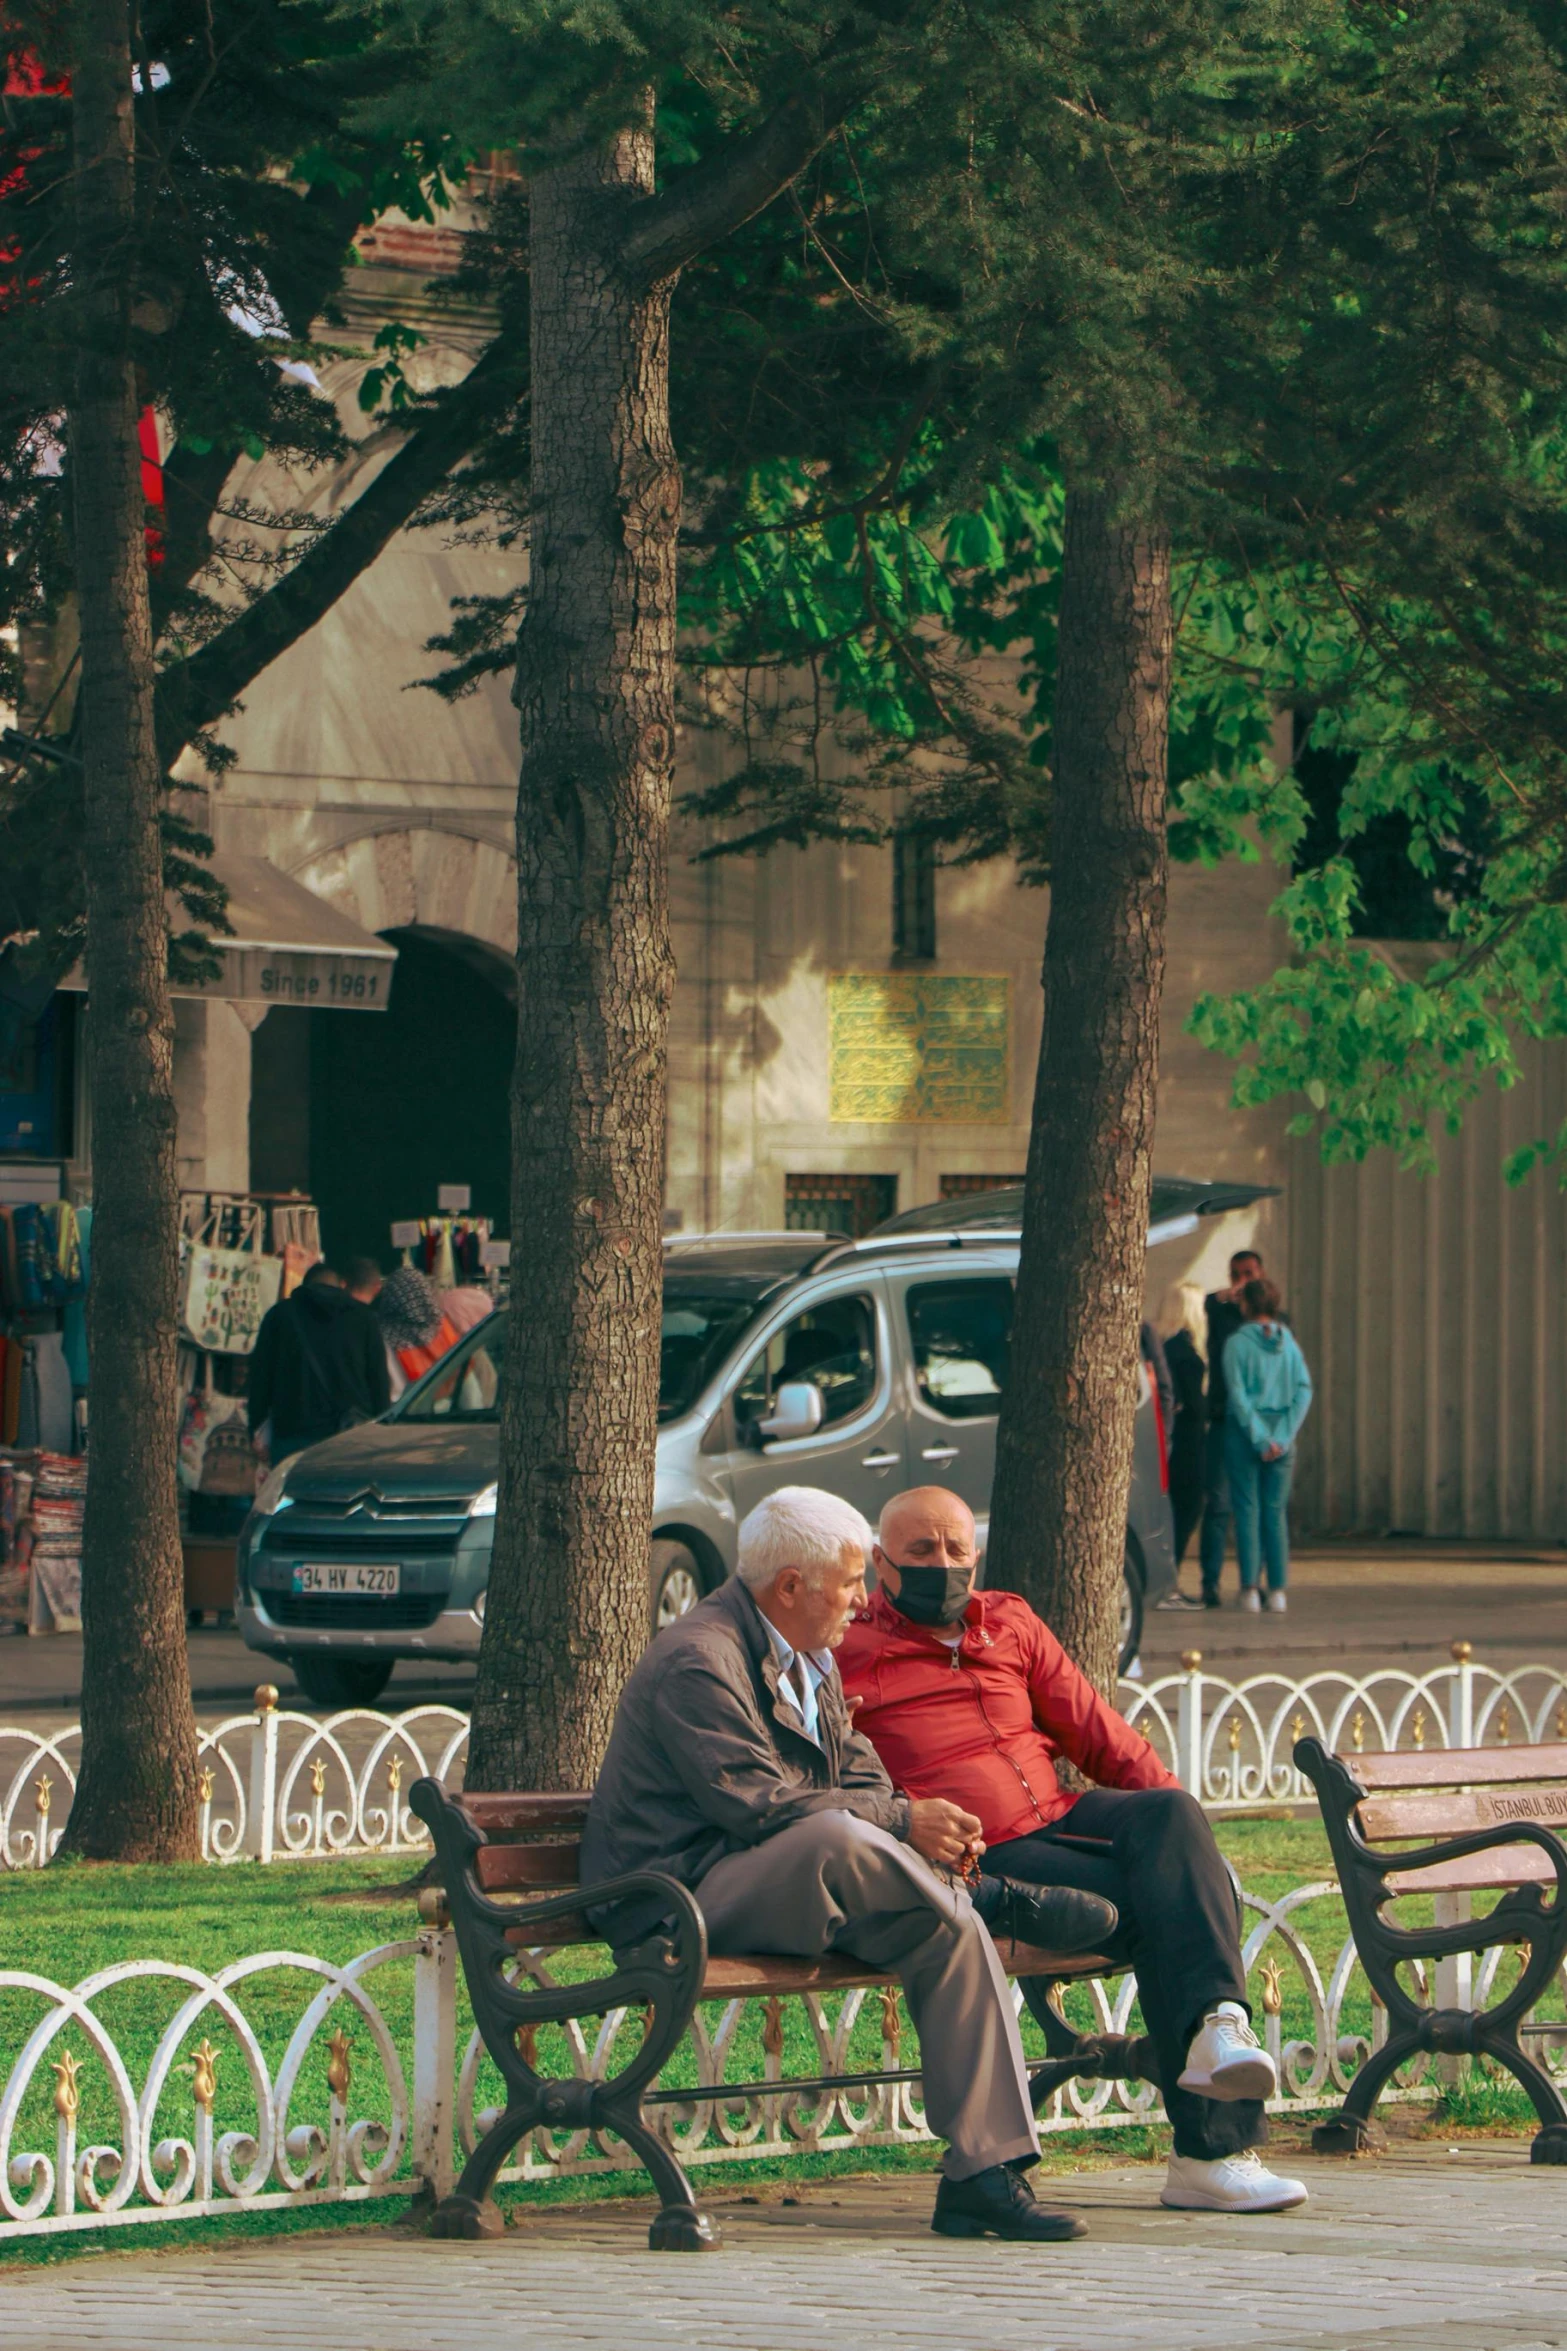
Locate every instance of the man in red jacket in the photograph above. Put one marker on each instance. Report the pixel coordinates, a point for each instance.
(969, 1695)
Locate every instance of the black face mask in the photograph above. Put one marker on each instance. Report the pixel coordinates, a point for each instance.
(933, 1595)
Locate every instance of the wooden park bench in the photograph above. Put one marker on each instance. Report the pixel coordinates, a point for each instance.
(1491, 1810)
(527, 1847)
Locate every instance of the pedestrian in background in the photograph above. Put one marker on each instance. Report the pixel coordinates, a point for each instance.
(1268, 1396)
(364, 1278)
(317, 1367)
(1223, 1311)
(416, 1332)
(1183, 1326)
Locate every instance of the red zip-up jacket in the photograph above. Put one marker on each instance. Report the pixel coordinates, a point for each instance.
(982, 1724)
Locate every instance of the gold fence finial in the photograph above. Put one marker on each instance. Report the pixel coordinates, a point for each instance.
(206, 1781)
(1191, 1659)
(1272, 1987)
(66, 2097)
(1461, 1652)
(318, 1775)
(204, 2085)
(42, 1788)
(340, 2070)
(265, 1696)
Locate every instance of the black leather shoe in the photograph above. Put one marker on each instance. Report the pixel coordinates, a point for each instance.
(1056, 1918)
(1000, 2203)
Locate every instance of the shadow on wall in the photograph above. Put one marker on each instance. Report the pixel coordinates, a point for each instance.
(370, 1112)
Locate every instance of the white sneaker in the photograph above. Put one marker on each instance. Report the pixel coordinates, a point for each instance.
(1235, 2183)
(1226, 2060)
(1277, 1603)
(1251, 1600)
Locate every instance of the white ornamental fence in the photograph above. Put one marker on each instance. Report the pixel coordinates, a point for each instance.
(1232, 1743)
(153, 2092)
(274, 1785)
(271, 1785)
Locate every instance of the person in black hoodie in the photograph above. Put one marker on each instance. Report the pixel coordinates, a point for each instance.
(318, 1366)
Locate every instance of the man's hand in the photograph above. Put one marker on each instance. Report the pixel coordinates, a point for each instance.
(944, 1832)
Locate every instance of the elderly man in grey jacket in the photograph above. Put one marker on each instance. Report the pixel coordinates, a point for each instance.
(734, 1767)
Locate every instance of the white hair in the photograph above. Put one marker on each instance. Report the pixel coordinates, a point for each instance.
(799, 1526)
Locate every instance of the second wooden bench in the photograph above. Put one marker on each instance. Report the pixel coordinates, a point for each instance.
(1491, 1810)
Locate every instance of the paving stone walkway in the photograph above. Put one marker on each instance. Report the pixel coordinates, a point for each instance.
(1437, 2251)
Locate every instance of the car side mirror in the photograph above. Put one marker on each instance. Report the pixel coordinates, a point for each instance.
(797, 1412)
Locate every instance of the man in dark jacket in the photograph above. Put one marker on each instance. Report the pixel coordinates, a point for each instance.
(318, 1366)
(734, 1767)
(1223, 1310)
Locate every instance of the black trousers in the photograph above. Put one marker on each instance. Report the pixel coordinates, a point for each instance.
(1151, 1852)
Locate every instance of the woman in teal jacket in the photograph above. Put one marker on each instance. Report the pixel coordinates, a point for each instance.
(1269, 1392)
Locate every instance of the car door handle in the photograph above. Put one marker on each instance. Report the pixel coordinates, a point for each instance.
(880, 1460)
(939, 1453)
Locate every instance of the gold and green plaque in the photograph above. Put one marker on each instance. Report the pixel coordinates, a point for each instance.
(911, 1048)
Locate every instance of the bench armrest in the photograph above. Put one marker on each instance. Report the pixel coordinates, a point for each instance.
(1339, 1794)
(662, 1974)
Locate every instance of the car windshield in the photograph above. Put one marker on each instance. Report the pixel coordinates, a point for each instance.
(698, 1333)
(465, 1384)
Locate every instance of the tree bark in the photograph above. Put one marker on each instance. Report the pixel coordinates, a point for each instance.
(1064, 1444)
(136, 1796)
(567, 1611)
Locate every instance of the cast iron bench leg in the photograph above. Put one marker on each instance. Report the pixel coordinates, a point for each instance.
(470, 2211)
(1072, 2056)
(680, 2226)
(1549, 2144)
(1352, 2130)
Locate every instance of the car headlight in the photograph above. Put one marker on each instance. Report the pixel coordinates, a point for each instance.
(483, 1505)
(270, 1497)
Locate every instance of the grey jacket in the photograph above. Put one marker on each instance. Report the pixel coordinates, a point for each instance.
(706, 1758)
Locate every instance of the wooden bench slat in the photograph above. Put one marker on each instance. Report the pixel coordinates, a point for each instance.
(526, 1815)
(1446, 1767)
(763, 1976)
(503, 1869)
(1460, 1813)
(1510, 1865)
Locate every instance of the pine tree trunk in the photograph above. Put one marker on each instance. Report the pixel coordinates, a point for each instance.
(1064, 1445)
(567, 1611)
(136, 1798)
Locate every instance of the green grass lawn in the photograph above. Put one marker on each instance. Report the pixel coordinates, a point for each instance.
(67, 1923)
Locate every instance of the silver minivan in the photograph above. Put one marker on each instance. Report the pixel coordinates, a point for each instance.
(788, 1359)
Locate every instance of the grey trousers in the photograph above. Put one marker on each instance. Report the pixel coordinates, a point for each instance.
(836, 1883)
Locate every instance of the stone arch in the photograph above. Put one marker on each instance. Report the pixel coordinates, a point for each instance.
(420, 878)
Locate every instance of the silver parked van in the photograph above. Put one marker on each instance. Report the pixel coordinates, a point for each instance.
(788, 1359)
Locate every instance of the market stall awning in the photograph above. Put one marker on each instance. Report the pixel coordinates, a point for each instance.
(287, 946)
